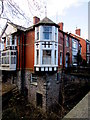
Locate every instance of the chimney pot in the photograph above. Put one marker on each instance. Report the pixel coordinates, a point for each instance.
(35, 20)
(61, 24)
(78, 31)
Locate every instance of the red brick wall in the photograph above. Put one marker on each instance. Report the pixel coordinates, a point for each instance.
(67, 49)
(20, 61)
(29, 54)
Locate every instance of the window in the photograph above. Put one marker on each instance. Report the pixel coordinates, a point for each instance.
(37, 33)
(47, 32)
(55, 33)
(8, 41)
(60, 58)
(18, 40)
(37, 54)
(33, 78)
(88, 59)
(46, 58)
(74, 44)
(13, 57)
(87, 48)
(13, 40)
(67, 41)
(39, 99)
(55, 57)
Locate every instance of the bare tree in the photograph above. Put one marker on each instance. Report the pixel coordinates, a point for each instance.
(12, 11)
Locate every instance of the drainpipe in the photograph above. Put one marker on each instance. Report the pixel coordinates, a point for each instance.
(63, 50)
(22, 70)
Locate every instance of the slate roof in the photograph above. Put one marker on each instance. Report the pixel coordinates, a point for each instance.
(46, 21)
(18, 26)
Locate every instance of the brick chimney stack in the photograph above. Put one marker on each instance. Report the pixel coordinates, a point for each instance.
(35, 20)
(78, 31)
(61, 24)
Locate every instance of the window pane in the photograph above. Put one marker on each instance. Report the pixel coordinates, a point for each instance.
(55, 57)
(60, 58)
(46, 57)
(47, 32)
(37, 33)
(37, 61)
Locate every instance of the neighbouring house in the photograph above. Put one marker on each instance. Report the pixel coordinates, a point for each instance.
(88, 51)
(68, 47)
(33, 58)
(11, 54)
(77, 35)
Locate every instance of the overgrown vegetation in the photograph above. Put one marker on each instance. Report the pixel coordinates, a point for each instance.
(72, 91)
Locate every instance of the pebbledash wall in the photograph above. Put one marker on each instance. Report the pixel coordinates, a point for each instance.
(47, 87)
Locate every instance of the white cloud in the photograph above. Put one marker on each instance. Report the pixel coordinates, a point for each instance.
(59, 6)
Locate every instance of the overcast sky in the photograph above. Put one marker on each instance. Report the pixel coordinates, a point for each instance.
(73, 13)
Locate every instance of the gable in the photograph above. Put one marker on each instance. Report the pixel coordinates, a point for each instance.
(9, 30)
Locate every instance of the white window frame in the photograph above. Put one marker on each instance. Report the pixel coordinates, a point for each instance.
(49, 32)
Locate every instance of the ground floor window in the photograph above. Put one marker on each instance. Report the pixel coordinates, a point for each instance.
(46, 58)
(33, 78)
(60, 58)
(39, 99)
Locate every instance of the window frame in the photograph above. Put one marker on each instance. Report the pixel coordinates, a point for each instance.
(47, 32)
(60, 58)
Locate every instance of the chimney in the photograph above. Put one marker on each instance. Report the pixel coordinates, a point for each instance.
(61, 24)
(78, 31)
(35, 20)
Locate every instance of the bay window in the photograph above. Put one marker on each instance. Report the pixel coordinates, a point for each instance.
(55, 33)
(37, 57)
(46, 58)
(37, 33)
(47, 32)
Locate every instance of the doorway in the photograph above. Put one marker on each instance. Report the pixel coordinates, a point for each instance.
(39, 99)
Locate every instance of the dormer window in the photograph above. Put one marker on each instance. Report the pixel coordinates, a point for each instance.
(47, 32)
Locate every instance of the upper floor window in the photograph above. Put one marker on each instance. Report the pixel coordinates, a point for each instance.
(37, 56)
(13, 42)
(47, 32)
(8, 41)
(67, 41)
(74, 44)
(37, 33)
(55, 57)
(55, 33)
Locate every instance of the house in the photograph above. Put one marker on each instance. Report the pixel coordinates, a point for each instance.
(68, 47)
(88, 51)
(12, 38)
(34, 57)
(77, 35)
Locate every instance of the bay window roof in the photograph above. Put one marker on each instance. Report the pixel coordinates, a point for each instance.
(46, 21)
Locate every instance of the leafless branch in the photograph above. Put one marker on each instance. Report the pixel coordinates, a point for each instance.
(2, 8)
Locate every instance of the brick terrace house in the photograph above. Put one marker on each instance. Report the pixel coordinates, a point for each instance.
(82, 43)
(34, 57)
(68, 47)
